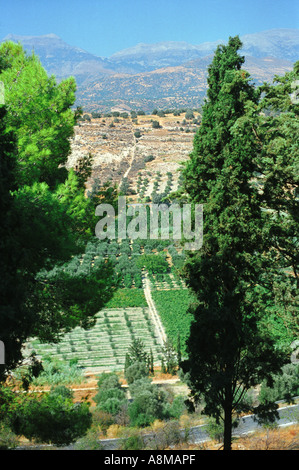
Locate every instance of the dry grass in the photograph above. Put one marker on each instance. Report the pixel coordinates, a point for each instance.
(272, 439)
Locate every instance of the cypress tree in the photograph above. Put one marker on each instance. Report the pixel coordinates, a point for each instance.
(228, 352)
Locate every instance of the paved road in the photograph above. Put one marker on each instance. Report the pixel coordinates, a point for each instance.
(288, 415)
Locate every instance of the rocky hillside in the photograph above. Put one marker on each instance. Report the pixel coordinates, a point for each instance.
(168, 87)
(124, 149)
(278, 43)
(162, 75)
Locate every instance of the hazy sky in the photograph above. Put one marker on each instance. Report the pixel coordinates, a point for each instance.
(103, 27)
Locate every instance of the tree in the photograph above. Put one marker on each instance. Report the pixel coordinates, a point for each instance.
(148, 403)
(39, 112)
(53, 419)
(170, 357)
(277, 172)
(228, 350)
(46, 216)
(189, 114)
(156, 125)
(136, 371)
(136, 352)
(111, 396)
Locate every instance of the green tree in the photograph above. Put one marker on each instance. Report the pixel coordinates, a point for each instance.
(136, 352)
(39, 112)
(111, 396)
(170, 357)
(53, 419)
(45, 213)
(148, 403)
(228, 351)
(277, 178)
(136, 371)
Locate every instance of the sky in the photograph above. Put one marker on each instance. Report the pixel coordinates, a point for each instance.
(103, 27)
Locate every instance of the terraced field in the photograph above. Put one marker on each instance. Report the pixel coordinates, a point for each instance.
(148, 164)
(104, 347)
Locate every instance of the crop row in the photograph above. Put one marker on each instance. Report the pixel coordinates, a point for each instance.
(106, 344)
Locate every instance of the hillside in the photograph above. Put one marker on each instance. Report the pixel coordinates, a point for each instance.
(163, 75)
(118, 152)
(168, 87)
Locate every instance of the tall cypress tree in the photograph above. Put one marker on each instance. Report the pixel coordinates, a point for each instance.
(228, 352)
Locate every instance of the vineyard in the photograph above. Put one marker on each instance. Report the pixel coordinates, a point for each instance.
(104, 347)
(127, 316)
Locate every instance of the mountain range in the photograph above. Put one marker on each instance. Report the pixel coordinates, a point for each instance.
(162, 75)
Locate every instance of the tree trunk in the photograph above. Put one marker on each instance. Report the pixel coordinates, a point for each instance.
(227, 443)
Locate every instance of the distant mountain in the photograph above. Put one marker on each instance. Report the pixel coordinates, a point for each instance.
(61, 59)
(147, 57)
(166, 74)
(278, 43)
(182, 86)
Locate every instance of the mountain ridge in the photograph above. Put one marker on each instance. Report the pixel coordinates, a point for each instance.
(157, 75)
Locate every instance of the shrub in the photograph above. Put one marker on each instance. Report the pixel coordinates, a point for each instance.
(102, 419)
(52, 419)
(59, 372)
(89, 442)
(156, 125)
(148, 403)
(136, 371)
(166, 435)
(285, 385)
(111, 395)
(8, 440)
(134, 442)
(153, 264)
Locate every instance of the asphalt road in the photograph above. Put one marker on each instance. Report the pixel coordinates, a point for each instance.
(288, 415)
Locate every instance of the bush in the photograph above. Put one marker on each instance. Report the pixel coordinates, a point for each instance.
(134, 442)
(136, 371)
(153, 264)
(52, 419)
(177, 407)
(111, 395)
(285, 385)
(102, 419)
(8, 440)
(148, 403)
(89, 442)
(166, 435)
(156, 125)
(58, 372)
(215, 430)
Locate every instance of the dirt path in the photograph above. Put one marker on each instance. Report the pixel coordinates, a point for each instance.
(153, 311)
(133, 157)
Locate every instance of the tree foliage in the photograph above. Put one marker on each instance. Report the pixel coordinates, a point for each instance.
(53, 419)
(47, 218)
(229, 350)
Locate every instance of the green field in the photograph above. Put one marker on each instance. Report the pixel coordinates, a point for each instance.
(126, 316)
(172, 306)
(104, 346)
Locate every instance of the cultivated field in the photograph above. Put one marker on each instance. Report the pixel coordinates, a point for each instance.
(152, 300)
